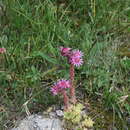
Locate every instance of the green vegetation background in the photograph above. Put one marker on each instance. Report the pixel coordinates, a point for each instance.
(32, 31)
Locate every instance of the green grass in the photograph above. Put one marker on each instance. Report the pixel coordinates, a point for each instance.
(32, 31)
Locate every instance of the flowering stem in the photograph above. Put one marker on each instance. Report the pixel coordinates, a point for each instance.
(66, 100)
(72, 88)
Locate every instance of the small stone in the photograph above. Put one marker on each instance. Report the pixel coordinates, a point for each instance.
(59, 113)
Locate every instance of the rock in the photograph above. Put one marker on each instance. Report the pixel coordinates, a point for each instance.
(36, 122)
(59, 113)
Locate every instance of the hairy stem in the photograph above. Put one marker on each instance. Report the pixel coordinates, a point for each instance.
(72, 88)
(66, 100)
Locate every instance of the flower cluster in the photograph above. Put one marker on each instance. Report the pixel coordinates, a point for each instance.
(60, 86)
(2, 50)
(74, 56)
(74, 59)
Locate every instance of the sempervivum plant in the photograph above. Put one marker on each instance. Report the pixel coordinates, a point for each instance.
(60, 88)
(75, 60)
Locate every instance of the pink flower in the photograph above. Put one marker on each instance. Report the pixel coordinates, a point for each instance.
(55, 90)
(65, 51)
(77, 61)
(2, 50)
(60, 86)
(63, 83)
(77, 53)
(76, 58)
